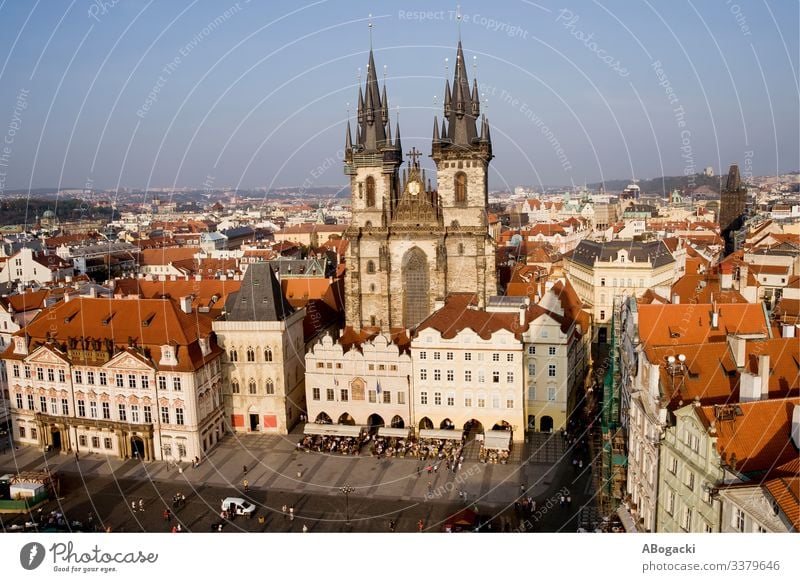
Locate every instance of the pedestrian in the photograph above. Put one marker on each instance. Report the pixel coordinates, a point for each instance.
(246, 485)
(244, 469)
(391, 525)
(430, 469)
(291, 514)
(569, 500)
(522, 488)
(167, 515)
(178, 527)
(305, 528)
(420, 525)
(574, 464)
(580, 464)
(174, 529)
(430, 487)
(533, 506)
(141, 505)
(562, 500)
(459, 464)
(285, 510)
(133, 506)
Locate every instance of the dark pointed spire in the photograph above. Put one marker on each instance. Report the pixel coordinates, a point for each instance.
(397, 144)
(360, 104)
(734, 182)
(461, 106)
(384, 105)
(372, 134)
(447, 98)
(348, 141)
(444, 130)
(435, 129)
(476, 99)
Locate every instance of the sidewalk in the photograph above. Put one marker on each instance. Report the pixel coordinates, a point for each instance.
(274, 463)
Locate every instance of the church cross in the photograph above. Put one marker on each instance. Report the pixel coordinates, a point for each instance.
(414, 154)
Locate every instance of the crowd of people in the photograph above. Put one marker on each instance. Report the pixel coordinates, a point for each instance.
(493, 455)
(391, 446)
(446, 450)
(332, 444)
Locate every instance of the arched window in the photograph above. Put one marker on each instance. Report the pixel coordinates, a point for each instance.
(267, 354)
(234, 387)
(370, 267)
(270, 387)
(460, 248)
(460, 185)
(370, 192)
(251, 386)
(251, 355)
(233, 356)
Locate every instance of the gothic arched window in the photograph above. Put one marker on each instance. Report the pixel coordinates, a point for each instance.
(233, 356)
(270, 387)
(460, 185)
(251, 355)
(267, 354)
(460, 248)
(251, 386)
(370, 192)
(235, 387)
(370, 267)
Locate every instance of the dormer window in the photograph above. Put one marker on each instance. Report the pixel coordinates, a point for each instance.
(20, 346)
(168, 356)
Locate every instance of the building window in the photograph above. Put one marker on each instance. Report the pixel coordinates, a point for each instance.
(315, 393)
(233, 356)
(467, 400)
(467, 375)
(551, 370)
(329, 394)
(145, 382)
(423, 355)
(131, 381)
(370, 267)
(460, 188)
(251, 386)
(107, 443)
(179, 416)
(481, 402)
(234, 386)
(62, 377)
(510, 377)
(148, 414)
(481, 377)
(495, 357)
(15, 370)
(51, 375)
(90, 377)
(343, 395)
(602, 281)
(372, 396)
(176, 383)
(119, 380)
(687, 519)
(689, 480)
(64, 407)
(270, 387)
(423, 374)
(27, 371)
(423, 397)
(531, 350)
(30, 401)
(551, 393)
(495, 376)
(509, 403)
(387, 397)
(437, 375)
(737, 521)
(467, 356)
(103, 379)
(450, 375)
(509, 357)
(437, 398)
(43, 404)
(19, 400)
(40, 374)
(437, 355)
(401, 397)
(53, 406)
(135, 413)
(602, 315)
(370, 191)
(531, 369)
(670, 506)
(551, 351)
(106, 410)
(82, 440)
(268, 354)
(451, 399)
(162, 382)
(122, 412)
(93, 409)
(165, 415)
(250, 354)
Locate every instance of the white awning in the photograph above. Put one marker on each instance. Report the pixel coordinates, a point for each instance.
(497, 439)
(450, 435)
(386, 431)
(332, 429)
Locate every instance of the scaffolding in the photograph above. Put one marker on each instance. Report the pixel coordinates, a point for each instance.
(614, 456)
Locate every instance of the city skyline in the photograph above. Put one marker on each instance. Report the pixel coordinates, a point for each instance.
(131, 95)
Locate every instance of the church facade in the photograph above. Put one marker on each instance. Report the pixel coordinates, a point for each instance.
(411, 245)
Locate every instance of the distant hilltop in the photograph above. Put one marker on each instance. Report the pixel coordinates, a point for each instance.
(664, 185)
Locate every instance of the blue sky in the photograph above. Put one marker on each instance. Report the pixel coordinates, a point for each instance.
(248, 94)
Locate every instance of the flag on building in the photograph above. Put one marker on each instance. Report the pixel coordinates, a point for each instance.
(378, 387)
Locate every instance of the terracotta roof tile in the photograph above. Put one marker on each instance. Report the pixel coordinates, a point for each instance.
(679, 324)
(785, 490)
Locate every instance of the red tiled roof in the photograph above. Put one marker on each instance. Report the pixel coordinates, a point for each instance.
(662, 325)
(759, 438)
(165, 256)
(785, 490)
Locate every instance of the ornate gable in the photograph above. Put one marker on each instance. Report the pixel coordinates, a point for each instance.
(46, 355)
(416, 205)
(128, 361)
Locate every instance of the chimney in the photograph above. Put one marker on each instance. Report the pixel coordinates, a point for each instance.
(763, 372)
(787, 330)
(796, 426)
(737, 346)
(522, 314)
(676, 299)
(186, 304)
(714, 316)
(66, 297)
(92, 292)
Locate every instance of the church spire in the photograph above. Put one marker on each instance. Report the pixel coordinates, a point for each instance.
(435, 129)
(397, 144)
(348, 141)
(372, 134)
(461, 106)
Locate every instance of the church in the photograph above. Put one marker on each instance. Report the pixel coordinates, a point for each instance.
(411, 245)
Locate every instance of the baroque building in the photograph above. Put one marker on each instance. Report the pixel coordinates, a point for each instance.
(411, 244)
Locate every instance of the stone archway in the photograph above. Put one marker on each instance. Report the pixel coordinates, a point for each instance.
(323, 418)
(398, 422)
(425, 423)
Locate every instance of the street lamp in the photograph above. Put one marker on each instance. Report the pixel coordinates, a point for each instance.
(347, 490)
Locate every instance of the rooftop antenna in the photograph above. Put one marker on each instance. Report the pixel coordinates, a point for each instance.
(385, 67)
(359, 75)
(458, 20)
(370, 31)
(446, 67)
